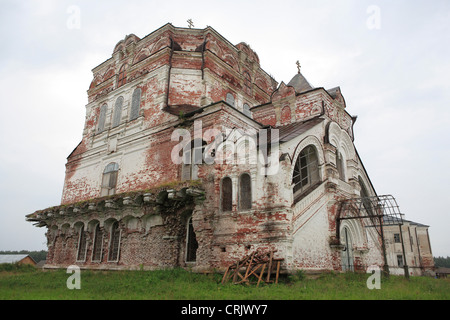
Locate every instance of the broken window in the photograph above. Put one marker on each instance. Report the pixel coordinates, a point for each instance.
(230, 99)
(109, 179)
(245, 192)
(227, 194)
(122, 76)
(135, 104)
(191, 243)
(306, 171)
(117, 111)
(82, 245)
(114, 242)
(98, 244)
(397, 237)
(102, 118)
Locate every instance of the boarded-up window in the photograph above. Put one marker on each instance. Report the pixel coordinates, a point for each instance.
(227, 194)
(102, 118)
(230, 99)
(98, 244)
(114, 242)
(122, 76)
(117, 112)
(245, 192)
(82, 241)
(135, 104)
(306, 171)
(191, 243)
(109, 179)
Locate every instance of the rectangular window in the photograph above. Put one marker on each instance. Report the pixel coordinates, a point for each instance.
(397, 237)
(400, 260)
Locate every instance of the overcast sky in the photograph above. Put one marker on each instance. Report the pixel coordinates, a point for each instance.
(390, 58)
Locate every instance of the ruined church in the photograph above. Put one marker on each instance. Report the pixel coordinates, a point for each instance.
(193, 156)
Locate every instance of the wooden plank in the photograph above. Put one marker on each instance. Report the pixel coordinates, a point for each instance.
(261, 274)
(278, 271)
(225, 275)
(249, 265)
(269, 269)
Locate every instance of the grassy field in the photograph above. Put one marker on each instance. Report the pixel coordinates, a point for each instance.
(28, 283)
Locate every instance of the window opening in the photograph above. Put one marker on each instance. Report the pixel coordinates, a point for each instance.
(245, 192)
(109, 179)
(191, 243)
(227, 195)
(114, 245)
(306, 171)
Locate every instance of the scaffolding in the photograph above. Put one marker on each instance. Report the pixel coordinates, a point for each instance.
(377, 212)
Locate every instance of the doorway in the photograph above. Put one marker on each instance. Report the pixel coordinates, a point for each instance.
(347, 251)
(191, 243)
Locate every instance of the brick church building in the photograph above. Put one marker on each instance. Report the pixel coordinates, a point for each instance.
(193, 155)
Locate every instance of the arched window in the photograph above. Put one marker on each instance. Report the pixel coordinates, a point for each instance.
(117, 111)
(122, 76)
(245, 192)
(230, 99)
(192, 157)
(102, 118)
(246, 110)
(227, 194)
(114, 243)
(135, 104)
(306, 171)
(191, 243)
(82, 245)
(98, 244)
(340, 165)
(109, 179)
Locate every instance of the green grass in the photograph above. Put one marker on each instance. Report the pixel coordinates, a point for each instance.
(21, 282)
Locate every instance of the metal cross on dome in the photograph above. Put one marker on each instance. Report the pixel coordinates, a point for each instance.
(191, 24)
(298, 66)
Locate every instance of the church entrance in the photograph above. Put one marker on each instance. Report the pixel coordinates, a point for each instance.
(347, 251)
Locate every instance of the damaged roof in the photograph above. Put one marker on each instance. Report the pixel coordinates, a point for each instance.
(293, 130)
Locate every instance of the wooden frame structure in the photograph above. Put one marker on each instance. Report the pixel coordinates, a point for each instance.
(254, 265)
